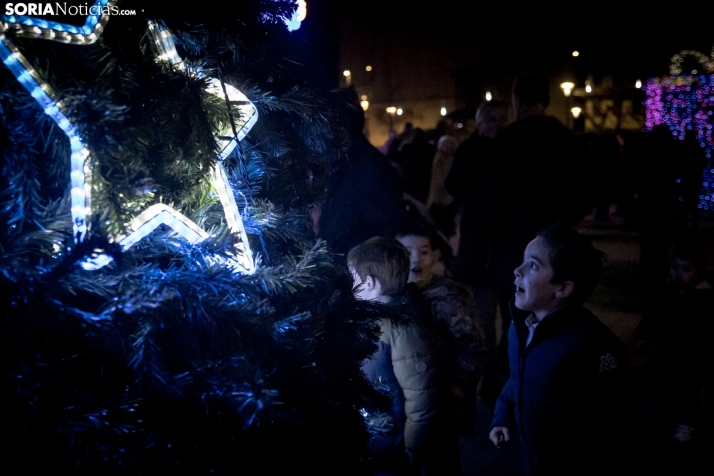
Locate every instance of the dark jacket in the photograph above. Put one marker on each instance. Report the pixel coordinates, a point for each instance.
(539, 176)
(364, 199)
(568, 394)
(467, 182)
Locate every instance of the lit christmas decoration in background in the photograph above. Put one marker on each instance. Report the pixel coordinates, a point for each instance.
(686, 102)
(157, 214)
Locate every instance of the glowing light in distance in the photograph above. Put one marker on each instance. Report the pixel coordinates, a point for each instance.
(364, 104)
(391, 109)
(400, 111)
(298, 16)
(301, 10)
(368, 68)
(363, 97)
(443, 111)
(638, 84)
(488, 96)
(588, 88)
(576, 111)
(567, 88)
(576, 53)
(346, 73)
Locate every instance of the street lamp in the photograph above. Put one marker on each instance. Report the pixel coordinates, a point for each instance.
(567, 88)
(576, 111)
(348, 76)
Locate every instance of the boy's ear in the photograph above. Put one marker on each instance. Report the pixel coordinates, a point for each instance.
(369, 283)
(564, 290)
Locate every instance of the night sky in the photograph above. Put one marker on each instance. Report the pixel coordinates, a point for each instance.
(637, 38)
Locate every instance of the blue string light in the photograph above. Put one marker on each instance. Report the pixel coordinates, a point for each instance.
(34, 27)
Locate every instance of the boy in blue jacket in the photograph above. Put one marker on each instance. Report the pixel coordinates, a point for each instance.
(568, 395)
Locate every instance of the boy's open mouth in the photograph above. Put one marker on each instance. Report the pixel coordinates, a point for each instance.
(416, 270)
(520, 290)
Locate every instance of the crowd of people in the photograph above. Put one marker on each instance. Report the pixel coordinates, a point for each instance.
(455, 237)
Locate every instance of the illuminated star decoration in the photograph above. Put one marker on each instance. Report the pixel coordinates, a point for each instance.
(32, 27)
(157, 214)
(685, 101)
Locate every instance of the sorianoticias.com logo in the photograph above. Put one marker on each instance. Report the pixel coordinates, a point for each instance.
(63, 9)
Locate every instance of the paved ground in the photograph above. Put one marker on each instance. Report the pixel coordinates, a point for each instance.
(618, 302)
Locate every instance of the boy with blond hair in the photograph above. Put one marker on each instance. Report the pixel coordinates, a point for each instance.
(403, 366)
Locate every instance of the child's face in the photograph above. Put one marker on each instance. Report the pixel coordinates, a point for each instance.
(421, 258)
(683, 273)
(534, 291)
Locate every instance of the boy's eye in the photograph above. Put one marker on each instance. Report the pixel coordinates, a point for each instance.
(534, 266)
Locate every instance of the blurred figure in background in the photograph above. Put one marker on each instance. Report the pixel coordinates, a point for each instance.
(539, 176)
(363, 197)
(440, 203)
(412, 154)
(467, 182)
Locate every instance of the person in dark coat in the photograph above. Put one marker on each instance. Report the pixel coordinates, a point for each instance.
(539, 177)
(467, 182)
(568, 396)
(364, 197)
(679, 368)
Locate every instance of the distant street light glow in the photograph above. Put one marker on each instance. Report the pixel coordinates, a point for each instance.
(576, 111)
(443, 111)
(488, 96)
(638, 84)
(588, 88)
(567, 88)
(576, 53)
(368, 68)
(348, 76)
(400, 111)
(364, 104)
(391, 109)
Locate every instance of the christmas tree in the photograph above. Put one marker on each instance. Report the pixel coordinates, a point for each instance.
(165, 304)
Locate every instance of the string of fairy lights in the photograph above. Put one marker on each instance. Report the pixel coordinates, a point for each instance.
(686, 102)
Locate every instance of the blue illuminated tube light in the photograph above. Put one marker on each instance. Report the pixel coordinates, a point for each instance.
(155, 215)
(33, 27)
(42, 93)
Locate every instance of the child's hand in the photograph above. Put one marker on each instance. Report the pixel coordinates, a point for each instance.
(499, 435)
